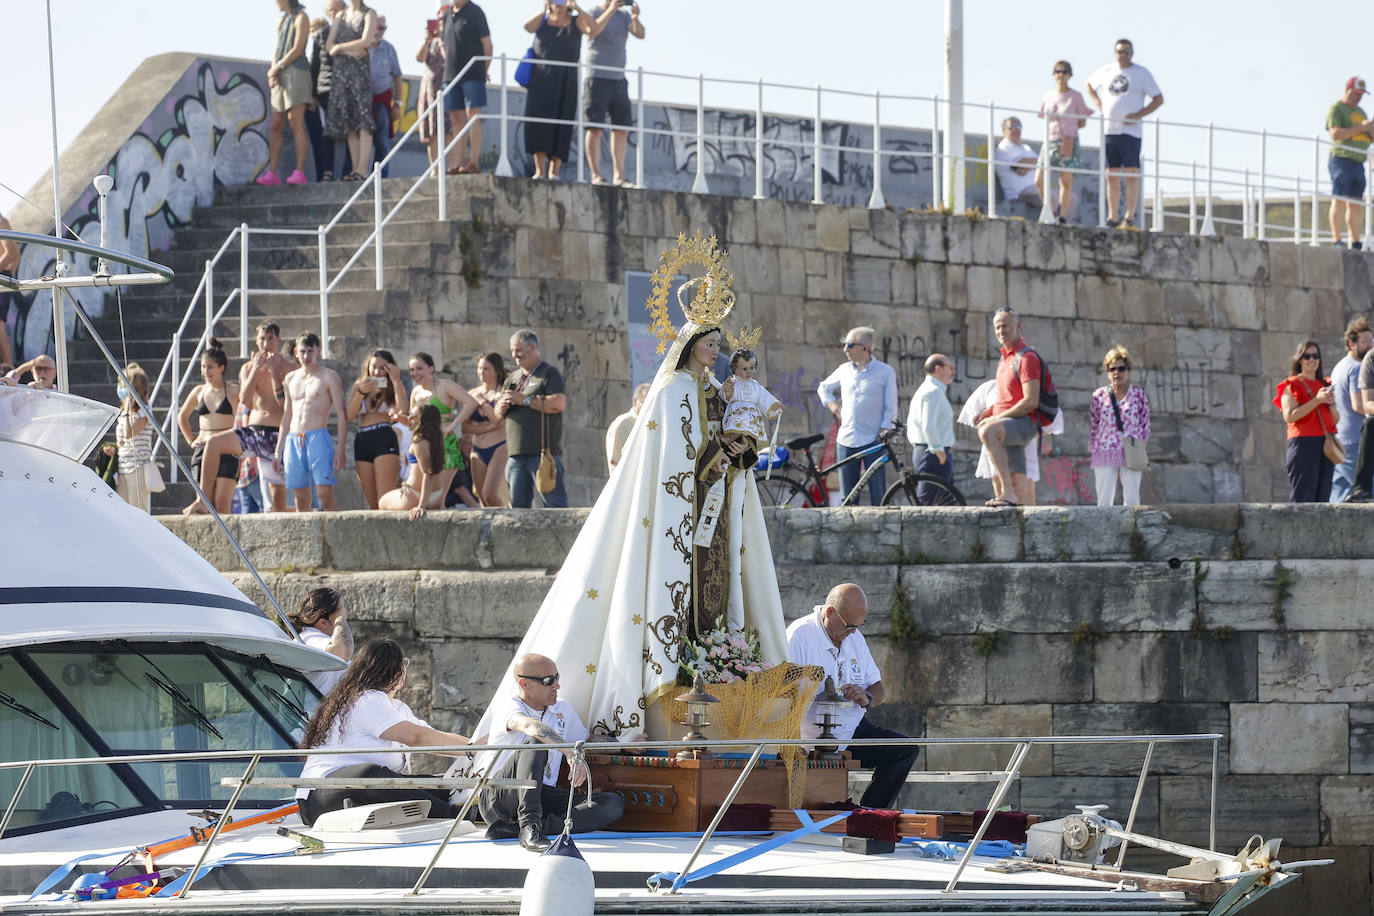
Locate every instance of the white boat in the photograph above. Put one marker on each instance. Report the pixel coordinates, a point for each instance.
(138, 689)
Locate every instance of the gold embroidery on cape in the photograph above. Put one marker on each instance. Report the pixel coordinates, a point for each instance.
(682, 537)
(621, 725)
(651, 661)
(687, 432)
(677, 485)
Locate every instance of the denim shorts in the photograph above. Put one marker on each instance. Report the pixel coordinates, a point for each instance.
(1347, 176)
(1123, 151)
(469, 94)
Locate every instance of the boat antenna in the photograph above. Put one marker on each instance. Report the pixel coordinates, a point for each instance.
(59, 321)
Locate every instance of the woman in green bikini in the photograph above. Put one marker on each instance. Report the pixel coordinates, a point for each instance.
(455, 405)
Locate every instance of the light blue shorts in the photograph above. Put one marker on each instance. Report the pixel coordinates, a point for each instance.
(309, 458)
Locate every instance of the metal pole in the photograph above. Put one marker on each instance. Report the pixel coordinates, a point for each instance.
(453, 828)
(699, 183)
(1245, 204)
(23, 780)
(1157, 202)
(324, 276)
(1208, 227)
(1135, 804)
(377, 219)
(1263, 186)
(209, 298)
(937, 199)
(503, 166)
(1101, 170)
(1192, 201)
(758, 145)
(639, 128)
(720, 813)
(1316, 185)
(991, 172)
(875, 200)
(1046, 208)
(954, 91)
(1212, 812)
(59, 319)
(176, 429)
(440, 163)
(581, 135)
(1013, 767)
(1297, 210)
(220, 824)
(243, 291)
(816, 196)
(1368, 213)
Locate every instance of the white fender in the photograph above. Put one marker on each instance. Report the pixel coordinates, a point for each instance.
(559, 883)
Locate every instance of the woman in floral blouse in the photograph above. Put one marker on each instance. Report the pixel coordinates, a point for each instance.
(1119, 411)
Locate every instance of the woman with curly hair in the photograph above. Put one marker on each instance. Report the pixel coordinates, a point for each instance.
(362, 711)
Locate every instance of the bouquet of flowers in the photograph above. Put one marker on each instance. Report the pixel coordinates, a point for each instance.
(721, 656)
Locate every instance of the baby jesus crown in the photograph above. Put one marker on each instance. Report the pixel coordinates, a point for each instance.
(747, 339)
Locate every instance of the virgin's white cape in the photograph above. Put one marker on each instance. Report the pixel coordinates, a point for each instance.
(611, 621)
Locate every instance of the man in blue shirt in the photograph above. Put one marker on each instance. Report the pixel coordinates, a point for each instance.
(862, 394)
(386, 93)
(930, 426)
(1345, 382)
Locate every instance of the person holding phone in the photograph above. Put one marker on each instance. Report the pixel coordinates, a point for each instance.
(1305, 399)
(431, 54)
(607, 91)
(466, 36)
(373, 400)
(558, 28)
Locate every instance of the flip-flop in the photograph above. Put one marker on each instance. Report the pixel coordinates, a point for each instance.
(1001, 504)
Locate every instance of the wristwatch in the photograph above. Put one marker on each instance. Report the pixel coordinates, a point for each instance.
(527, 400)
(870, 700)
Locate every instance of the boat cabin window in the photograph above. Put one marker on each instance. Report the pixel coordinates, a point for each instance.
(130, 699)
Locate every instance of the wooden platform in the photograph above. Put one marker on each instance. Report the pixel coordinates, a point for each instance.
(661, 794)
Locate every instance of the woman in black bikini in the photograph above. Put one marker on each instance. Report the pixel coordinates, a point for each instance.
(373, 400)
(224, 396)
(488, 432)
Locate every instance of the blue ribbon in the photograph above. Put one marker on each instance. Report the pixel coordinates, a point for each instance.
(808, 827)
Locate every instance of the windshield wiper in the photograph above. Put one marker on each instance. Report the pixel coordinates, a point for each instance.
(288, 702)
(167, 686)
(12, 703)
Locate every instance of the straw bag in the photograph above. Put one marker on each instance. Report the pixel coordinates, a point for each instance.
(1331, 446)
(546, 478)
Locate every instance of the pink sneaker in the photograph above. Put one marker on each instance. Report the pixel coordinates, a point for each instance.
(297, 177)
(268, 178)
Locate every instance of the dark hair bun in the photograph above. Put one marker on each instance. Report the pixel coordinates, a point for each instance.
(215, 344)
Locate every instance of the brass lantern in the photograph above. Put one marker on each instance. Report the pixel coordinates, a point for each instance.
(698, 703)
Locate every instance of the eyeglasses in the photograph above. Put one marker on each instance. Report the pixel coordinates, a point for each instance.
(1311, 356)
(1126, 51)
(1065, 72)
(1115, 369)
(547, 681)
(1014, 125)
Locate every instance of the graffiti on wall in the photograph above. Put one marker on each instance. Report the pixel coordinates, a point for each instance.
(208, 131)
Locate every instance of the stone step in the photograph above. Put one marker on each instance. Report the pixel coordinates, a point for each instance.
(298, 255)
(422, 228)
(324, 192)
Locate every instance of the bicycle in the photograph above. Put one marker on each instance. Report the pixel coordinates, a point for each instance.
(786, 490)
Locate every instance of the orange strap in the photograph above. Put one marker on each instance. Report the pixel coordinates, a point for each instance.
(202, 834)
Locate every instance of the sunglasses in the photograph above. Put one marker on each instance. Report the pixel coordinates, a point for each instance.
(1116, 369)
(547, 681)
(1311, 356)
(851, 344)
(1065, 72)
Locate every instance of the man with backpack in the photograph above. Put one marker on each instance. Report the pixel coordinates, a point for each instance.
(1026, 400)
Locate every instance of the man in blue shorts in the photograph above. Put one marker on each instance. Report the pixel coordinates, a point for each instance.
(1350, 132)
(607, 92)
(465, 36)
(1119, 90)
(305, 451)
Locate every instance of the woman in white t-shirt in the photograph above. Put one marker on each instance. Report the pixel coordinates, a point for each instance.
(322, 623)
(362, 712)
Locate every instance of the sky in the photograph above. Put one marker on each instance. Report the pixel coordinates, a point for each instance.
(1251, 65)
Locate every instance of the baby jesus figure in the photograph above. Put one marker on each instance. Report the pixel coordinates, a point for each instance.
(748, 404)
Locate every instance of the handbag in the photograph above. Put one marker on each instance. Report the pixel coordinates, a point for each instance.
(525, 68)
(1136, 457)
(1331, 446)
(546, 477)
(152, 476)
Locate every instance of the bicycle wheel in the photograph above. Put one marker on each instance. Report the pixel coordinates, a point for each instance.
(782, 491)
(939, 492)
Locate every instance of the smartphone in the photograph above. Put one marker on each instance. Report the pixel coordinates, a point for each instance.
(433, 26)
(381, 381)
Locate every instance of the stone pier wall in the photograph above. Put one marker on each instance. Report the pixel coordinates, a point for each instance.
(1246, 620)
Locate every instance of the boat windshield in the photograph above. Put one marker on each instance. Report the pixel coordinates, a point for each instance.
(90, 700)
(61, 423)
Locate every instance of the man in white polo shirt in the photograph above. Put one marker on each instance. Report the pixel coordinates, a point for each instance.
(830, 637)
(534, 711)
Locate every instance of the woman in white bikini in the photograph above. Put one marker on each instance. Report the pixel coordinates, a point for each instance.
(488, 431)
(421, 490)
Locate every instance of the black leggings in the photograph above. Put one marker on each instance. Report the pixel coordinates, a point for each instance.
(321, 801)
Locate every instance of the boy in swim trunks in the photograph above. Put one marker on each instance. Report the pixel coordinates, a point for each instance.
(306, 452)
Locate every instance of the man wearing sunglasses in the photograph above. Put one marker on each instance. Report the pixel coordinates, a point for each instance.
(862, 394)
(829, 637)
(533, 711)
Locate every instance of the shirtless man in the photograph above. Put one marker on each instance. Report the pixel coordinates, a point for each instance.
(305, 452)
(260, 385)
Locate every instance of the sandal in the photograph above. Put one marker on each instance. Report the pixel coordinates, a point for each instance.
(1001, 504)
(469, 169)
(353, 176)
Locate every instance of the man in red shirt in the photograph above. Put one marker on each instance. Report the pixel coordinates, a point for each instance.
(1010, 423)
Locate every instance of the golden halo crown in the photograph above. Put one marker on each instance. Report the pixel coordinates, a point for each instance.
(713, 298)
(747, 339)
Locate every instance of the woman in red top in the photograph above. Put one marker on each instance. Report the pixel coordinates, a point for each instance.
(1305, 398)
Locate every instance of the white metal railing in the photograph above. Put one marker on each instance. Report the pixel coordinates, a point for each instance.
(1021, 747)
(1249, 181)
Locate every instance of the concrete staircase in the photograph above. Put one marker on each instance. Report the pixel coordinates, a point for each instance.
(413, 240)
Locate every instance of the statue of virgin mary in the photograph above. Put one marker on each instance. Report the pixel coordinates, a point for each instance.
(675, 542)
